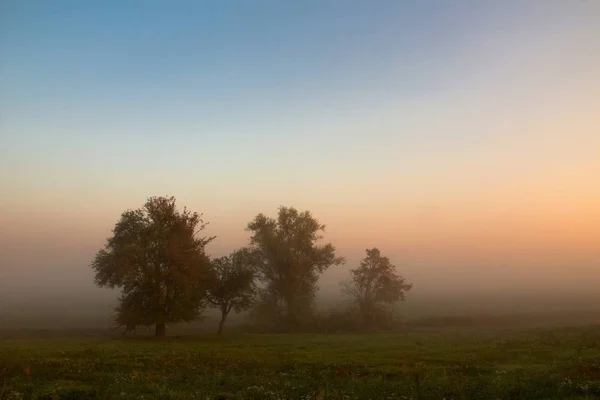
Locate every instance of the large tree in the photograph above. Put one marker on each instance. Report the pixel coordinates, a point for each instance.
(232, 284)
(374, 284)
(288, 264)
(155, 256)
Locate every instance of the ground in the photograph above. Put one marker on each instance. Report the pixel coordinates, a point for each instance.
(541, 364)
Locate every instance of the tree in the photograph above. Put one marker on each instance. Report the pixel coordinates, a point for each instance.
(232, 284)
(288, 263)
(156, 258)
(373, 284)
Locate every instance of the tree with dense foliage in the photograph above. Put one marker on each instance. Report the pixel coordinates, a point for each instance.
(156, 258)
(231, 286)
(374, 284)
(288, 264)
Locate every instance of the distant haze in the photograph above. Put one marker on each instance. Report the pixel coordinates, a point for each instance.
(463, 141)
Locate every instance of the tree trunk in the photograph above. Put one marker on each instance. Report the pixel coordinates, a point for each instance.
(290, 318)
(160, 330)
(367, 315)
(222, 323)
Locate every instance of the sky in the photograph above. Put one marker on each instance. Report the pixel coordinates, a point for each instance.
(461, 138)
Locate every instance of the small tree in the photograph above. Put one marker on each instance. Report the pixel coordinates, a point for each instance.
(158, 262)
(232, 284)
(374, 284)
(289, 262)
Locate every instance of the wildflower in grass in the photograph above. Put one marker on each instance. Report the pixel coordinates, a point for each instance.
(14, 395)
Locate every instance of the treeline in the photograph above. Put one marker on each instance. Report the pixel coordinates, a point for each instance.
(157, 258)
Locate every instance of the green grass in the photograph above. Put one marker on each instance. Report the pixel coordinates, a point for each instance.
(557, 364)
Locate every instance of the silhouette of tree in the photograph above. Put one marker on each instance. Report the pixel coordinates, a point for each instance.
(232, 284)
(374, 284)
(158, 262)
(288, 263)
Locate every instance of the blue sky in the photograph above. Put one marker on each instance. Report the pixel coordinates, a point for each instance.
(236, 81)
(480, 112)
(226, 66)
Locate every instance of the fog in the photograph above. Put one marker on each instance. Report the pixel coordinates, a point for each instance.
(461, 141)
(47, 281)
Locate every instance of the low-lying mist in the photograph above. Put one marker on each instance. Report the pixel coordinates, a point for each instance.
(87, 308)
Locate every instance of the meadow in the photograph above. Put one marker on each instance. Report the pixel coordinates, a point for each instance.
(559, 363)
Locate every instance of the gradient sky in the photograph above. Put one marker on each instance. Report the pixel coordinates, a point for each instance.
(462, 138)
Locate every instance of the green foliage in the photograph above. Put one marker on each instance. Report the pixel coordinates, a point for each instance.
(158, 262)
(558, 364)
(289, 262)
(231, 286)
(374, 284)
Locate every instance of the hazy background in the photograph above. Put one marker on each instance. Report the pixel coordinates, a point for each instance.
(461, 138)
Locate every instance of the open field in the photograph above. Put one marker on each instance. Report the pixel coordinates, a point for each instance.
(560, 363)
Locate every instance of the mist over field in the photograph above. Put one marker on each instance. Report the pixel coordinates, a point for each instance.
(49, 285)
(329, 200)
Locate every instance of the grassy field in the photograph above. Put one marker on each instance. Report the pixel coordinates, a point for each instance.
(541, 364)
